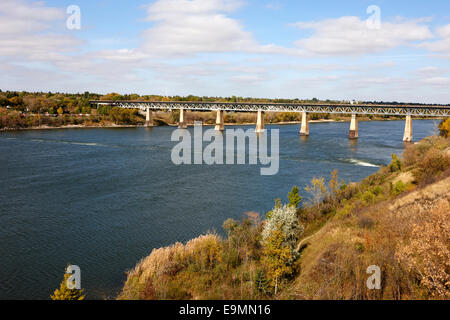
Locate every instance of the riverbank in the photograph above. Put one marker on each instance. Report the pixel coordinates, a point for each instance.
(396, 219)
(141, 125)
(112, 125)
(69, 127)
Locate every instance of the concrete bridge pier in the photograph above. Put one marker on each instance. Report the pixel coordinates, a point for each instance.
(219, 121)
(182, 124)
(260, 122)
(304, 130)
(408, 135)
(149, 118)
(353, 134)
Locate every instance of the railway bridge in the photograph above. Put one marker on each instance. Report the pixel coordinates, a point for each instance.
(408, 111)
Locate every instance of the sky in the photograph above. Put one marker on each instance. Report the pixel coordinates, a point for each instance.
(383, 50)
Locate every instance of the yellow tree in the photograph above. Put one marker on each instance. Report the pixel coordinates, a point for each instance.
(278, 257)
(334, 182)
(444, 128)
(317, 189)
(64, 293)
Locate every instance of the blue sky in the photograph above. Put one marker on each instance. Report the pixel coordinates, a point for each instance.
(274, 49)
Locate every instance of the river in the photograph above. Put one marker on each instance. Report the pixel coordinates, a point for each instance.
(104, 198)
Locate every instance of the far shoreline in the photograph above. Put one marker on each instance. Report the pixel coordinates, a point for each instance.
(119, 126)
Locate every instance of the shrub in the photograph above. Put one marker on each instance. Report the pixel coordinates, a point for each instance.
(432, 165)
(395, 165)
(368, 197)
(327, 208)
(346, 210)
(243, 241)
(398, 188)
(365, 222)
(377, 190)
(427, 254)
(415, 153)
(359, 247)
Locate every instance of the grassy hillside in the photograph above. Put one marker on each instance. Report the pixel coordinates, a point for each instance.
(320, 247)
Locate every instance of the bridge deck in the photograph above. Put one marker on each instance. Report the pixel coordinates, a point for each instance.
(413, 110)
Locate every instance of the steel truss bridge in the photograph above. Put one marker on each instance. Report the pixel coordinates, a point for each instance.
(395, 110)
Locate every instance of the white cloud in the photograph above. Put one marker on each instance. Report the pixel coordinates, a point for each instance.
(185, 28)
(351, 36)
(21, 11)
(168, 9)
(437, 81)
(198, 26)
(24, 30)
(441, 45)
(431, 71)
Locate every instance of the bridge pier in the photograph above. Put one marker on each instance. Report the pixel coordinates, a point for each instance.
(408, 135)
(304, 130)
(353, 134)
(149, 118)
(260, 122)
(219, 121)
(182, 124)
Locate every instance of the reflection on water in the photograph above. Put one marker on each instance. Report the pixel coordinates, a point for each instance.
(353, 145)
(304, 138)
(104, 198)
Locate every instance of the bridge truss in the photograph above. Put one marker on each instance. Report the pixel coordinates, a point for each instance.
(396, 110)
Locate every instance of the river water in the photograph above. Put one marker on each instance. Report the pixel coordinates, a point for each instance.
(104, 198)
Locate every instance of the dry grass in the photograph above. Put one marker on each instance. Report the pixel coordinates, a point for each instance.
(408, 239)
(163, 263)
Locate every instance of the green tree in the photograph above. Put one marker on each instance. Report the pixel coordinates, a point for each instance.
(261, 284)
(294, 197)
(396, 164)
(60, 110)
(64, 293)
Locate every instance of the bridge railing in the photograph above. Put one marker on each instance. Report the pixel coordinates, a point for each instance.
(413, 110)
